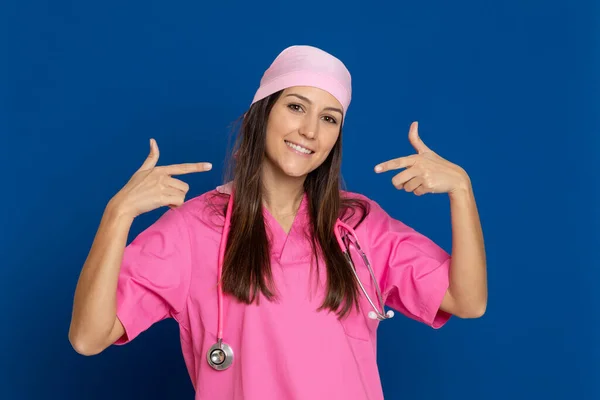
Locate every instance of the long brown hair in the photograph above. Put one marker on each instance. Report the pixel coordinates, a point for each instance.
(247, 268)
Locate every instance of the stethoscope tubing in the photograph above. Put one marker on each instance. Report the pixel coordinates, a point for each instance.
(225, 353)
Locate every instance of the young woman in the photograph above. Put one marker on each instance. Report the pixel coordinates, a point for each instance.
(278, 278)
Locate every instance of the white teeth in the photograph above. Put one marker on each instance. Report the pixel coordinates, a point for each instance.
(299, 148)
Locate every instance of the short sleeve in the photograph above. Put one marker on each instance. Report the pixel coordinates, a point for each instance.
(154, 279)
(416, 275)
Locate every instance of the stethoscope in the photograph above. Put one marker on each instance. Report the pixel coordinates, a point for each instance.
(220, 355)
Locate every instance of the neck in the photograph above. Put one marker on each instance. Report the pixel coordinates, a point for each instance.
(282, 194)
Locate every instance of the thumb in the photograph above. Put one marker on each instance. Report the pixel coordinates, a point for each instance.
(415, 139)
(152, 158)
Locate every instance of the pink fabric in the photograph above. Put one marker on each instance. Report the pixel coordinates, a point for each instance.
(170, 270)
(307, 66)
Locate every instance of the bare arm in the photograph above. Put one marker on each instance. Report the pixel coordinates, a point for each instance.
(427, 172)
(94, 324)
(467, 294)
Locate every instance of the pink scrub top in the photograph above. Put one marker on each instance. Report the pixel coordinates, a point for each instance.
(286, 349)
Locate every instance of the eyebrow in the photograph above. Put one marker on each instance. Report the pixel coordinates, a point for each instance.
(306, 99)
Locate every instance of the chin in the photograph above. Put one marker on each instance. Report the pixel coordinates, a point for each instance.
(292, 173)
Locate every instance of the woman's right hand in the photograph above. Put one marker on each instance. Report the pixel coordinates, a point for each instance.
(152, 187)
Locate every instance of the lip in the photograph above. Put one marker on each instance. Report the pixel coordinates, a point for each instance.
(298, 144)
(298, 153)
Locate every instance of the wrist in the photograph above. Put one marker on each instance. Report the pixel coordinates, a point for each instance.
(117, 210)
(462, 188)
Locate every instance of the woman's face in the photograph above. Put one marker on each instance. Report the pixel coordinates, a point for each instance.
(303, 127)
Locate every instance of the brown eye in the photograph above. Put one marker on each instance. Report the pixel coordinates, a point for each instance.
(295, 107)
(331, 120)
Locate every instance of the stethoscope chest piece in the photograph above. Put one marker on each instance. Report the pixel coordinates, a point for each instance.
(220, 356)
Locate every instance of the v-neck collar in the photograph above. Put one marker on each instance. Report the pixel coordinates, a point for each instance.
(291, 246)
(301, 209)
(285, 247)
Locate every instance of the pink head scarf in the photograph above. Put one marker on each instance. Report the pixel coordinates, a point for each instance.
(307, 66)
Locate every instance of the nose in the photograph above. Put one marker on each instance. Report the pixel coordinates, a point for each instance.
(309, 127)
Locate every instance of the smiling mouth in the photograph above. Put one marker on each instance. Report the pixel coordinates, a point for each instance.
(298, 148)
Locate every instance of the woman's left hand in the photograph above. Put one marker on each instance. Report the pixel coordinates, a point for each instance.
(425, 172)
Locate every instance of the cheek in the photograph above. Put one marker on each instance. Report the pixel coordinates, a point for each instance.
(326, 149)
(273, 137)
(329, 144)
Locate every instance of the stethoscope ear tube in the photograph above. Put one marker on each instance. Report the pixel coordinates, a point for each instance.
(376, 313)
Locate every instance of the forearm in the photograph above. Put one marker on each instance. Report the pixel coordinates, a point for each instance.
(94, 305)
(468, 276)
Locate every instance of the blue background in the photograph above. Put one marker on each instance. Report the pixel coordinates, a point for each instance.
(508, 90)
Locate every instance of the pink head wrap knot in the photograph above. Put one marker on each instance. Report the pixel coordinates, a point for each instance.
(307, 66)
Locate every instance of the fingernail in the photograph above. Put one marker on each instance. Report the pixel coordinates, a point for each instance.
(378, 168)
(208, 166)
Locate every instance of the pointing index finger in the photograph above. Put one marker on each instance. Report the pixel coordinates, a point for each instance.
(187, 168)
(396, 163)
